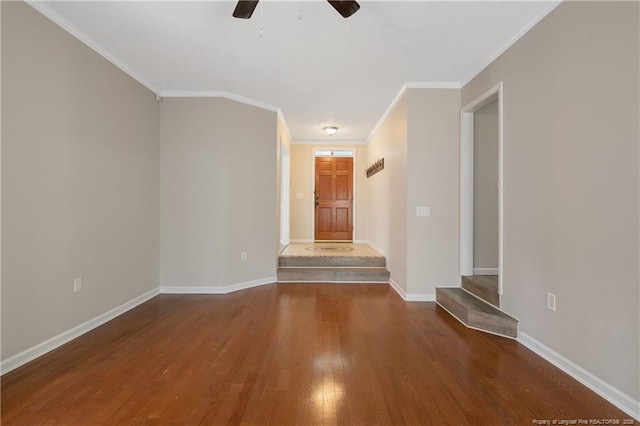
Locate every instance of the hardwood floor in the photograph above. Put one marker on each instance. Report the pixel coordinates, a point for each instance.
(293, 354)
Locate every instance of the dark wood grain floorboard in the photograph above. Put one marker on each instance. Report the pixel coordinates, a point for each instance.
(292, 354)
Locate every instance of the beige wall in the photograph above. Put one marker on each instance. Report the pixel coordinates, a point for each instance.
(79, 182)
(218, 193)
(485, 192)
(433, 180)
(302, 209)
(571, 184)
(387, 192)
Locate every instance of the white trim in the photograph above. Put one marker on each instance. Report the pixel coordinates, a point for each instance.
(483, 99)
(599, 386)
(547, 10)
(434, 85)
(411, 297)
(394, 285)
(403, 89)
(486, 271)
(63, 23)
(301, 241)
(285, 193)
(323, 144)
(218, 94)
(217, 289)
(420, 297)
(40, 349)
(500, 187)
(284, 124)
(386, 113)
(466, 180)
(466, 193)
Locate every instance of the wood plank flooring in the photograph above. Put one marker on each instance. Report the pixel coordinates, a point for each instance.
(304, 354)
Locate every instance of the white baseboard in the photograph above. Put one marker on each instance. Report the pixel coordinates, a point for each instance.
(394, 285)
(411, 297)
(420, 297)
(303, 241)
(485, 271)
(599, 386)
(40, 349)
(216, 289)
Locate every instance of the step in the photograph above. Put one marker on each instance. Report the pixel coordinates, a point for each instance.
(476, 313)
(483, 286)
(333, 261)
(332, 274)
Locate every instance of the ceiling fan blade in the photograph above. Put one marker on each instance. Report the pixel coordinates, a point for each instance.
(244, 9)
(345, 8)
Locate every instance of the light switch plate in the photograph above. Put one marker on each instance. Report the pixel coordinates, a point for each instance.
(423, 211)
(551, 302)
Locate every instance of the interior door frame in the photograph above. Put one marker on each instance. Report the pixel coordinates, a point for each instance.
(467, 113)
(313, 184)
(285, 188)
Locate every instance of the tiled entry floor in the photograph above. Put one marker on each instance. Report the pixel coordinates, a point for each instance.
(329, 250)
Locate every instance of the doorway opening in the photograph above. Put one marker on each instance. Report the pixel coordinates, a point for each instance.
(482, 190)
(333, 195)
(285, 182)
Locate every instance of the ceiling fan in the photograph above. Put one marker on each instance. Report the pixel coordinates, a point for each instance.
(244, 8)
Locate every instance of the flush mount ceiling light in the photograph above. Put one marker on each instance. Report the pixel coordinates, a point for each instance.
(331, 130)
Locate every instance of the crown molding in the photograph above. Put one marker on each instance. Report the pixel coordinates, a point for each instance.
(387, 112)
(284, 124)
(403, 89)
(329, 142)
(539, 17)
(230, 96)
(63, 23)
(433, 85)
(217, 94)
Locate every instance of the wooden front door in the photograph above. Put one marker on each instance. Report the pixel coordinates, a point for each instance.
(334, 198)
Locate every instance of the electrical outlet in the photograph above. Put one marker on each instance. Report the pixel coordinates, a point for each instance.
(77, 285)
(551, 302)
(243, 256)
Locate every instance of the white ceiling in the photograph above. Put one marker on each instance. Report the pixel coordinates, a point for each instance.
(319, 70)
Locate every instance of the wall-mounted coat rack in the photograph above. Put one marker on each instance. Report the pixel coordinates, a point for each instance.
(375, 167)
